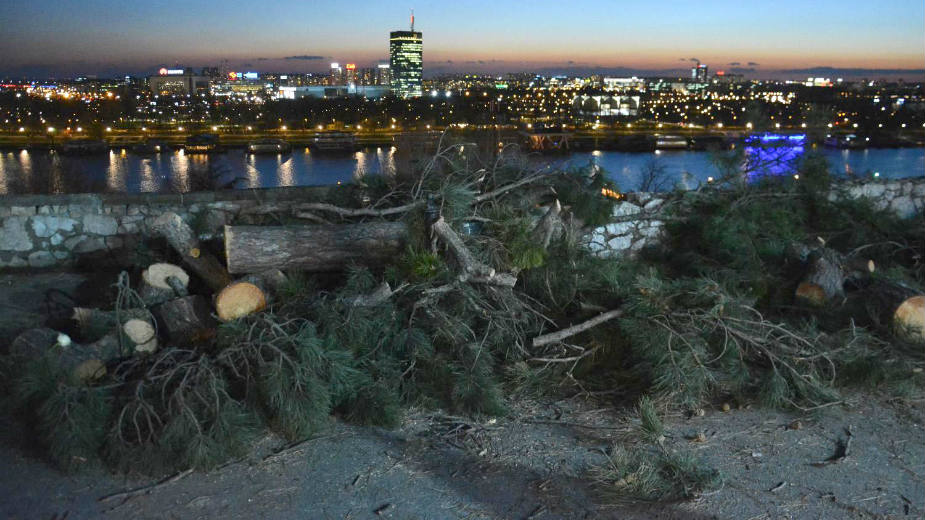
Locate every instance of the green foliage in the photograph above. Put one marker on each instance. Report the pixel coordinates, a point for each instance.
(581, 191)
(654, 474)
(650, 423)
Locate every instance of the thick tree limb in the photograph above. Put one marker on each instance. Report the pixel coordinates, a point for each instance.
(472, 270)
(555, 337)
(508, 187)
(184, 241)
(360, 212)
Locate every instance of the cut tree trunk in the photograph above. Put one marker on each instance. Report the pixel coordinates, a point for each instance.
(181, 237)
(318, 248)
(83, 362)
(140, 335)
(95, 323)
(826, 273)
(162, 282)
(249, 294)
(186, 321)
(899, 307)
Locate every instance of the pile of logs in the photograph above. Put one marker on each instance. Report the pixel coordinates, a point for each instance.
(829, 276)
(166, 312)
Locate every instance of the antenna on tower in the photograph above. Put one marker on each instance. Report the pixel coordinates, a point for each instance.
(412, 19)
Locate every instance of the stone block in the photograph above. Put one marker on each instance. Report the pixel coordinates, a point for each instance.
(88, 245)
(22, 211)
(42, 259)
(100, 225)
(13, 236)
(47, 225)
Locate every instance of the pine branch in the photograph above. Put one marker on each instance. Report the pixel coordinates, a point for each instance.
(555, 337)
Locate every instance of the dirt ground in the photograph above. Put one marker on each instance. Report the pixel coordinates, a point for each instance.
(535, 463)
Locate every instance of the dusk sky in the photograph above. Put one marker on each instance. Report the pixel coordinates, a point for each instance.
(101, 36)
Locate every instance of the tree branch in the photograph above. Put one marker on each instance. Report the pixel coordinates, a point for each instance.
(555, 337)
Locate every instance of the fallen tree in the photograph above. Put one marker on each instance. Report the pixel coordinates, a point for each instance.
(315, 248)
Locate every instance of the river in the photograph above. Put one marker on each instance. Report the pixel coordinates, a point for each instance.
(121, 171)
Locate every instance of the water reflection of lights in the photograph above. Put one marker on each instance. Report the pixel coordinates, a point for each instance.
(286, 172)
(253, 175)
(116, 173)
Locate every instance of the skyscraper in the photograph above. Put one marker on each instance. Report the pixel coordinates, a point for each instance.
(406, 62)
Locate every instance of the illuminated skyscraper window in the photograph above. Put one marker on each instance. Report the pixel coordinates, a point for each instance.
(406, 49)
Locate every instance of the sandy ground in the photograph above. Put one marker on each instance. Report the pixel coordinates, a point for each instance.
(535, 463)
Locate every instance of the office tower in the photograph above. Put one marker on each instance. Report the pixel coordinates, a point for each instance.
(406, 62)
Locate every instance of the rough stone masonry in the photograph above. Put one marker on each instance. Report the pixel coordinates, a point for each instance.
(54, 230)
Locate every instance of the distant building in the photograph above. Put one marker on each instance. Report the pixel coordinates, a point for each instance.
(177, 82)
(633, 83)
(406, 49)
(699, 73)
(332, 91)
(384, 75)
(606, 105)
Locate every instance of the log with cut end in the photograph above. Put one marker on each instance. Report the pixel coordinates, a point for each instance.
(162, 282)
(84, 362)
(186, 321)
(239, 299)
(248, 295)
(181, 237)
(318, 248)
(909, 319)
(827, 272)
(895, 305)
(93, 323)
(140, 335)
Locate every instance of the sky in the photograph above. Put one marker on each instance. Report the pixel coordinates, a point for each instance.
(62, 37)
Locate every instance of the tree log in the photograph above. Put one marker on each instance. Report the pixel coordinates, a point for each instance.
(140, 335)
(826, 273)
(896, 306)
(162, 282)
(472, 270)
(184, 241)
(84, 363)
(318, 248)
(95, 323)
(186, 321)
(249, 294)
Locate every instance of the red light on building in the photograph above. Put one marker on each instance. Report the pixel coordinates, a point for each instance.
(721, 73)
(232, 75)
(351, 66)
(162, 72)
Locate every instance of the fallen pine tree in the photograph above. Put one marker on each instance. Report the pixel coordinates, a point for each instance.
(457, 286)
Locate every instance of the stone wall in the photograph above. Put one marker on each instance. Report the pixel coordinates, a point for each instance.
(49, 230)
(636, 224)
(52, 230)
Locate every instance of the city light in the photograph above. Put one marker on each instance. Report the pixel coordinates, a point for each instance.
(51, 129)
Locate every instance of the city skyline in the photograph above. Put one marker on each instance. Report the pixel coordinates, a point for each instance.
(103, 37)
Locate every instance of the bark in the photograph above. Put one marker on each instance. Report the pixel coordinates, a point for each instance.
(163, 282)
(471, 269)
(186, 321)
(318, 248)
(184, 241)
(895, 306)
(827, 272)
(95, 323)
(140, 336)
(555, 337)
(83, 362)
(550, 226)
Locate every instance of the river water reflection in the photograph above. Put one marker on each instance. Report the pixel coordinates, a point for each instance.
(121, 171)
